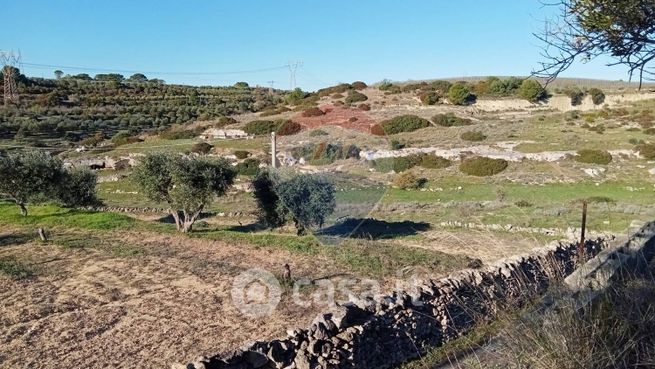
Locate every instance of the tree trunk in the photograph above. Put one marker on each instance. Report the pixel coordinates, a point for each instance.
(190, 219)
(23, 209)
(176, 216)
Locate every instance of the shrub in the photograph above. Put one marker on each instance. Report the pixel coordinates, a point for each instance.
(309, 200)
(576, 95)
(635, 141)
(260, 127)
(313, 112)
(532, 91)
(176, 132)
(441, 86)
(403, 123)
(473, 136)
(296, 96)
(459, 94)
(432, 161)
(268, 202)
(241, 154)
(354, 96)
(201, 148)
(450, 120)
(397, 145)
(318, 132)
(408, 180)
(649, 131)
(224, 121)
(597, 96)
(337, 96)
(364, 107)
(288, 128)
(523, 204)
(248, 167)
(124, 138)
(647, 151)
(481, 166)
(593, 156)
(358, 85)
(429, 97)
(94, 140)
(377, 130)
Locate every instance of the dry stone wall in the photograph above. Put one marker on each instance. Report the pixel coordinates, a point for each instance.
(382, 333)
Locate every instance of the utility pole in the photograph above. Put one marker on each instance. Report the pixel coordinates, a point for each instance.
(10, 62)
(273, 150)
(293, 67)
(582, 232)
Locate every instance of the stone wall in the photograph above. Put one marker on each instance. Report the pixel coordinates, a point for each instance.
(383, 333)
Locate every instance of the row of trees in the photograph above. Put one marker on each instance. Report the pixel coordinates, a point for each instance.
(188, 185)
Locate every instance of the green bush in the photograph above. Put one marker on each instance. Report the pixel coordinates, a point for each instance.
(450, 120)
(358, 85)
(248, 167)
(441, 86)
(124, 138)
(532, 91)
(241, 154)
(397, 145)
(593, 156)
(274, 111)
(432, 161)
(481, 166)
(201, 148)
(308, 198)
(288, 128)
(647, 151)
(404, 123)
(176, 132)
(429, 97)
(354, 97)
(473, 136)
(597, 95)
(408, 180)
(576, 95)
(260, 127)
(224, 121)
(312, 112)
(459, 94)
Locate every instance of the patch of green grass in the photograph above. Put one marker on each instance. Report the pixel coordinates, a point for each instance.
(16, 269)
(308, 245)
(381, 258)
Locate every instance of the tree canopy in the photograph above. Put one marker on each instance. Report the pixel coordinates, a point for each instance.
(186, 184)
(36, 176)
(624, 30)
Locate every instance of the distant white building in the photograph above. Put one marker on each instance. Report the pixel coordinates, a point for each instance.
(215, 133)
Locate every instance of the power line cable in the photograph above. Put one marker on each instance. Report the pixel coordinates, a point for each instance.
(89, 69)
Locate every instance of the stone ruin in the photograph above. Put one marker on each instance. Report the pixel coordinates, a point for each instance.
(391, 330)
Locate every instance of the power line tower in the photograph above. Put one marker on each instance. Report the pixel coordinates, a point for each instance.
(10, 62)
(270, 89)
(293, 67)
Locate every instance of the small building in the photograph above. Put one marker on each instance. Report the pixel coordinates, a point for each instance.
(215, 133)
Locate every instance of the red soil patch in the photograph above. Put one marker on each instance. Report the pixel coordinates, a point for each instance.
(343, 116)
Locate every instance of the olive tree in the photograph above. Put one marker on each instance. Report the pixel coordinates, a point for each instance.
(306, 199)
(36, 176)
(186, 184)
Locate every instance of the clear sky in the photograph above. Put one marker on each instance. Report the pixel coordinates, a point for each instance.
(337, 40)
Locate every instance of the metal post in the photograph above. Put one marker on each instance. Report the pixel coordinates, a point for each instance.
(582, 231)
(273, 150)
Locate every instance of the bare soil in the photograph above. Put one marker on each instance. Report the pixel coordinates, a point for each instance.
(90, 308)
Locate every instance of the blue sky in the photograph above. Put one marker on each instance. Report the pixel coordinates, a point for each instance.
(337, 40)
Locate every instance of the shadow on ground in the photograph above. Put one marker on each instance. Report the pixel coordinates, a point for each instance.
(374, 229)
(13, 239)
